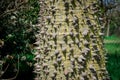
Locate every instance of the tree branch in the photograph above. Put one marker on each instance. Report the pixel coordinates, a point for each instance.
(17, 7)
(16, 73)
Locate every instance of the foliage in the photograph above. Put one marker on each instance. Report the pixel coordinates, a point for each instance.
(17, 35)
(114, 24)
(114, 16)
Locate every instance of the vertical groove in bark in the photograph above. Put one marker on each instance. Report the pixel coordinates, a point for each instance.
(70, 44)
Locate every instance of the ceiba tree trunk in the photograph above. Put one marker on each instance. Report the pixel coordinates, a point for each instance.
(69, 43)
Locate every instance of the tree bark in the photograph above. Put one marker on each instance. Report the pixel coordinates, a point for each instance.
(70, 41)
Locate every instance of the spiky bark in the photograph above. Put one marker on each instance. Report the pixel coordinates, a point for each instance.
(70, 44)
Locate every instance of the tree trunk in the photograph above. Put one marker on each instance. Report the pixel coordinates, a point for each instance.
(70, 42)
(108, 29)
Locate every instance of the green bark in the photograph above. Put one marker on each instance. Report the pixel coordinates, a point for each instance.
(70, 43)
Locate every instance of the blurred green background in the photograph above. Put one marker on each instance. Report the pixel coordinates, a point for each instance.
(112, 42)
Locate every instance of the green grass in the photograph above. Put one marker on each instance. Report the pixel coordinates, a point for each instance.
(113, 37)
(112, 48)
(113, 66)
(113, 61)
